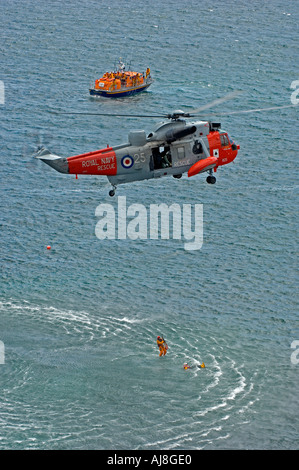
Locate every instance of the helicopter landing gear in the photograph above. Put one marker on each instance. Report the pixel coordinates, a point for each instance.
(211, 179)
(112, 191)
(178, 176)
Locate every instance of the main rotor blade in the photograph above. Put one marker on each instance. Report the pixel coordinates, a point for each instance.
(114, 115)
(247, 111)
(227, 97)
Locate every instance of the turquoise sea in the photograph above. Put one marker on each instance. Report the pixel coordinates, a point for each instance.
(78, 323)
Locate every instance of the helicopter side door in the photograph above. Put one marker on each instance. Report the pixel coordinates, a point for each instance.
(175, 158)
(161, 160)
(183, 156)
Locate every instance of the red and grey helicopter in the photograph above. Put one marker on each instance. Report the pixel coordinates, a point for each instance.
(174, 147)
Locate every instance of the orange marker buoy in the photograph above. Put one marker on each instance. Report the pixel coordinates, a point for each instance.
(48, 247)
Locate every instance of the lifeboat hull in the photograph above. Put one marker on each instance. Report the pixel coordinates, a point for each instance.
(119, 93)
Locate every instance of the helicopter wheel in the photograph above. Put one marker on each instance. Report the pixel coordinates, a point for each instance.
(178, 176)
(211, 179)
(112, 192)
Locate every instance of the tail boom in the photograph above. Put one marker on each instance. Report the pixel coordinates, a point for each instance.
(98, 162)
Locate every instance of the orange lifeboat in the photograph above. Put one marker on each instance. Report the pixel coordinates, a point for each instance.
(121, 83)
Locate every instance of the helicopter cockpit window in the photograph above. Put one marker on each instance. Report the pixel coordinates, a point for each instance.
(224, 140)
(162, 157)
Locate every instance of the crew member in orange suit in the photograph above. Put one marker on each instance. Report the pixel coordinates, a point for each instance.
(162, 346)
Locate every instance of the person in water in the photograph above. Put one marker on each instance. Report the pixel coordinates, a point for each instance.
(162, 346)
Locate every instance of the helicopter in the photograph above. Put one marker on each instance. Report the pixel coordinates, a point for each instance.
(174, 147)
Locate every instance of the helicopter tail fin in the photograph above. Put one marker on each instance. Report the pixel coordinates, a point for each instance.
(202, 165)
(58, 163)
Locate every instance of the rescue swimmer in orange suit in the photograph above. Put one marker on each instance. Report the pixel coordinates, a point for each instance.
(162, 346)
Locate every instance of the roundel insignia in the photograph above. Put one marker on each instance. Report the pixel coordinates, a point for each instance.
(127, 161)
